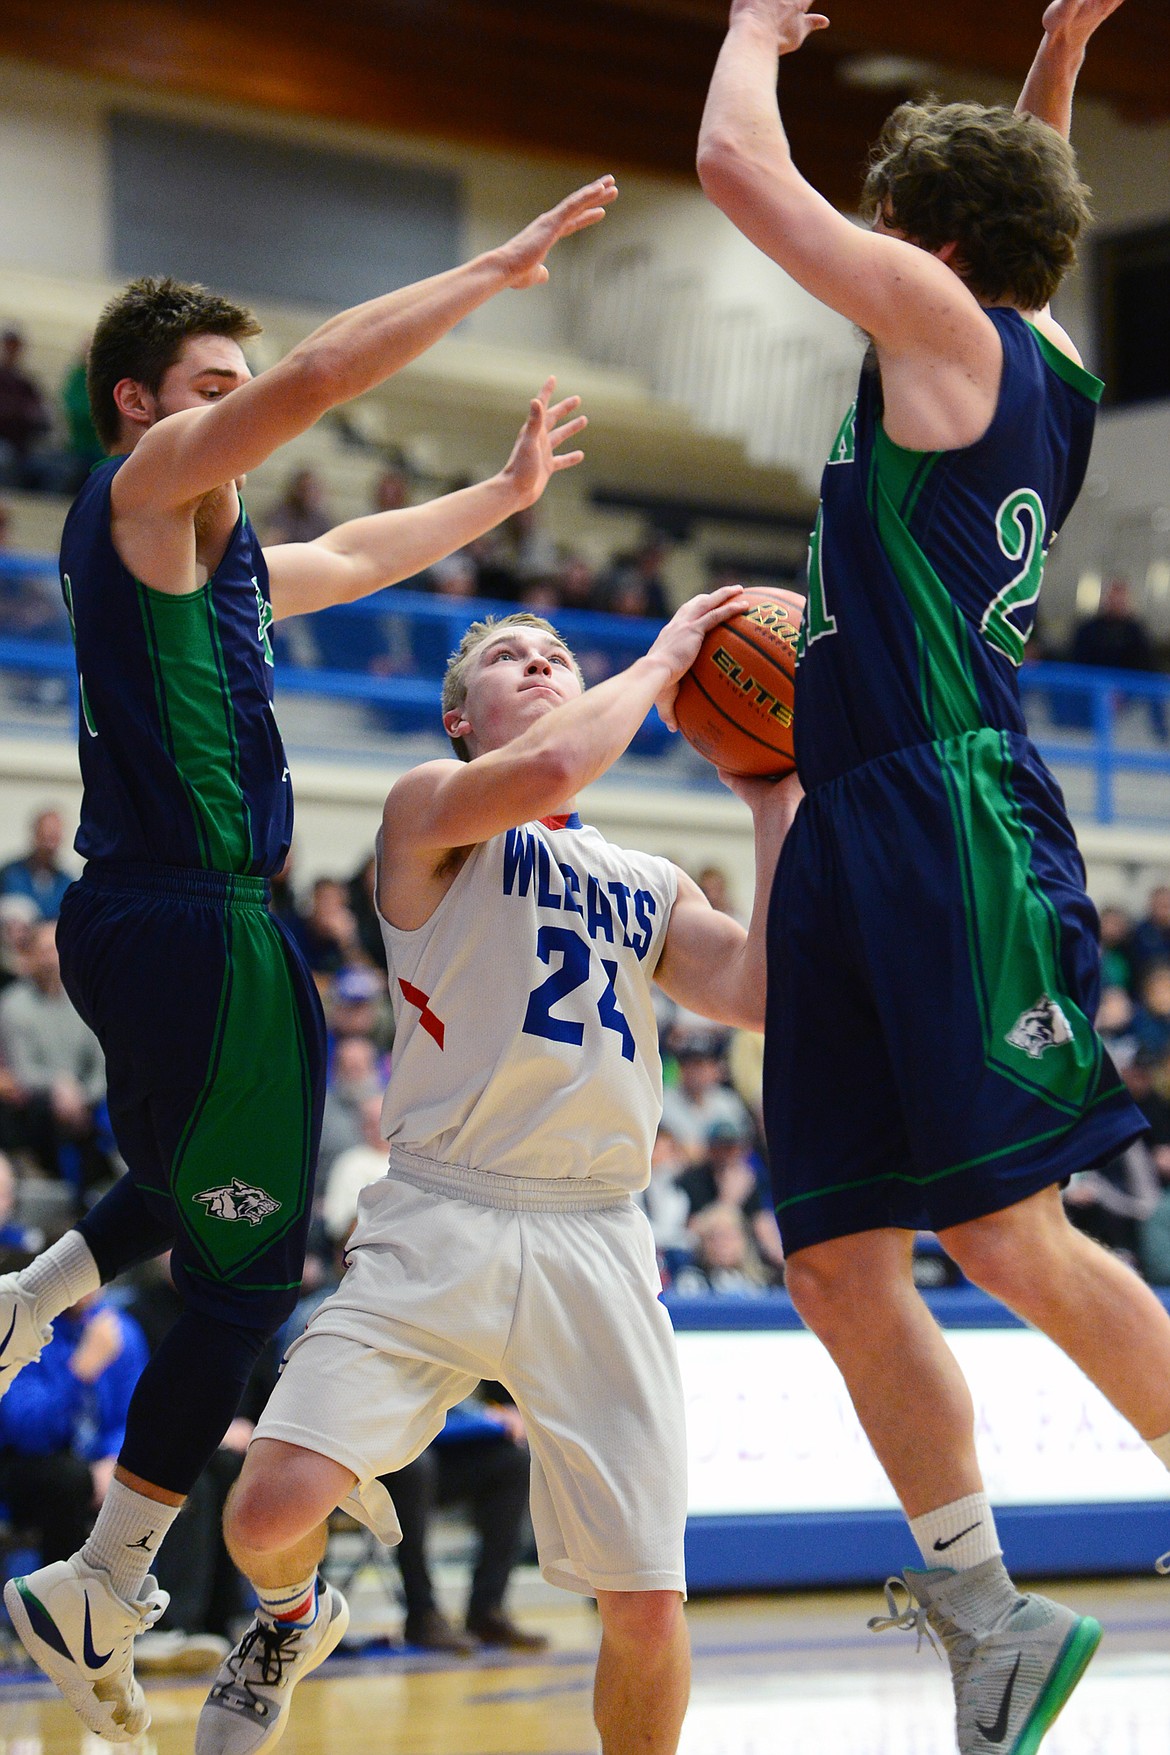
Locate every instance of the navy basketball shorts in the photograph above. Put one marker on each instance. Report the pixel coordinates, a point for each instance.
(933, 973)
(215, 1059)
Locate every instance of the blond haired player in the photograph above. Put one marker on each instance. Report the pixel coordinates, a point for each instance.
(504, 1242)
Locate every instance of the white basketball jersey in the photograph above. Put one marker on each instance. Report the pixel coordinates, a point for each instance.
(526, 1043)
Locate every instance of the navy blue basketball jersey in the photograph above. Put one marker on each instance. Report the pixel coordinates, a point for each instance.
(181, 758)
(925, 567)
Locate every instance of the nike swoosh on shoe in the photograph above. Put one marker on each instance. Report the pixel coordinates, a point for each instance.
(93, 1658)
(995, 1733)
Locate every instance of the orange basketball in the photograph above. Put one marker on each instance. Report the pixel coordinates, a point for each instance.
(734, 705)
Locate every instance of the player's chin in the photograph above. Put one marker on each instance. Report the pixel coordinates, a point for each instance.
(539, 700)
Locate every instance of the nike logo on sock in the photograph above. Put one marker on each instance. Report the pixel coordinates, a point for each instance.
(940, 1547)
(8, 1336)
(143, 1542)
(995, 1733)
(94, 1659)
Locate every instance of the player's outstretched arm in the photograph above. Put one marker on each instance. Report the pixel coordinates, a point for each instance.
(901, 296)
(1051, 82)
(368, 553)
(709, 963)
(449, 804)
(187, 455)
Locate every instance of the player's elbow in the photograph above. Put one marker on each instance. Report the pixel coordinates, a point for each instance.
(554, 774)
(315, 370)
(751, 1005)
(723, 166)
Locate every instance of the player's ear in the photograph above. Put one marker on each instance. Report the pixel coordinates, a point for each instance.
(456, 722)
(133, 402)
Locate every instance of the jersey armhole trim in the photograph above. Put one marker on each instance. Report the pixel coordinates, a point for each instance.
(1077, 377)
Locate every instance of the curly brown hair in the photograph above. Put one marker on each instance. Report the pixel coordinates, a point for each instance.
(1002, 186)
(140, 334)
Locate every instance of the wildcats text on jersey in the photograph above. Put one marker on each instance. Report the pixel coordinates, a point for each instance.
(528, 866)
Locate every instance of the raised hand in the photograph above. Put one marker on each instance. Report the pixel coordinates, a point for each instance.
(678, 643)
(790, 20)
(536, 455)
(1075, 20)
(523, 256)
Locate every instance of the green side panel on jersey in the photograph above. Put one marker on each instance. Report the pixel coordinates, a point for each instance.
(950, 700)
(1013, 929)
(198, 720)
(1067, 368)
(241, 1172)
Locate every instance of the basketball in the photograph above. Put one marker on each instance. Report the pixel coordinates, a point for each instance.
(734, 705)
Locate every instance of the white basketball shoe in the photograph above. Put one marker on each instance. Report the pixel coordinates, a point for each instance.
(1012, 1671)
(21, 1336)
(70, 1620)
(247, 1708)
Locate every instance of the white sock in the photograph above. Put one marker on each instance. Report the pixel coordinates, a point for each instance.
(60, 1276)
(126, 1537)
(958, 1535)
(293, 1605)
(1161, 1449)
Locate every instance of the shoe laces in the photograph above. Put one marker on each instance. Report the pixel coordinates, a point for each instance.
(267, 1649)
(910, 1619)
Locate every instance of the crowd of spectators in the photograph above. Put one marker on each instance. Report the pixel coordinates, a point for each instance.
(517, 563)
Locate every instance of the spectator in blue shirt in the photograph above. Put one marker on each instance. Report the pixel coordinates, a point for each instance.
(38, 874)
(62, 1422)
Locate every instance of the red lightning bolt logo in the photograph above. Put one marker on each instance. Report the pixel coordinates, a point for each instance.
(415, 996)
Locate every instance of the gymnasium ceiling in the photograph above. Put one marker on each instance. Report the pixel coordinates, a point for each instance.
(619, 83)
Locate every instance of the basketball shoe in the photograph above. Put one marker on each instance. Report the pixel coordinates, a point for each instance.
(247, 1708)
(1011, 1677)
(70, 1620)
(21, 1335)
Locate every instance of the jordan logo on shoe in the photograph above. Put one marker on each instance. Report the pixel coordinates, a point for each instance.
(940, 1547)
(995, 1733)
(94, 1659)
(143, 1542)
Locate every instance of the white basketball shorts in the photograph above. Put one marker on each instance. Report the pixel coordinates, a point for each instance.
(559, 1304)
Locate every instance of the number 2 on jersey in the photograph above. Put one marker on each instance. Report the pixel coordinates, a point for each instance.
(1019, 528)
(576, 956)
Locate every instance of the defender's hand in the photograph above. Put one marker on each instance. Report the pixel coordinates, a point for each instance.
(535, 454)
(678, 644)
(781, 796)
(790, 20)
(1074, 21)
(523, 256)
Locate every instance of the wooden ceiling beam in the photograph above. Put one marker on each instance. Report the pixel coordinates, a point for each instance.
(618, 84)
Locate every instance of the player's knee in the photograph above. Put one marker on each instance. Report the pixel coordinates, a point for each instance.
(643, 1620)
(256, 1520)
(1007, 1252)
(820, 1290)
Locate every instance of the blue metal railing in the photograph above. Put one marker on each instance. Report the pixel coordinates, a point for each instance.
(388, 652)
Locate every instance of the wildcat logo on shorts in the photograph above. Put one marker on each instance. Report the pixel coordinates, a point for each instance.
(238, 1200)
(1042, 1026)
